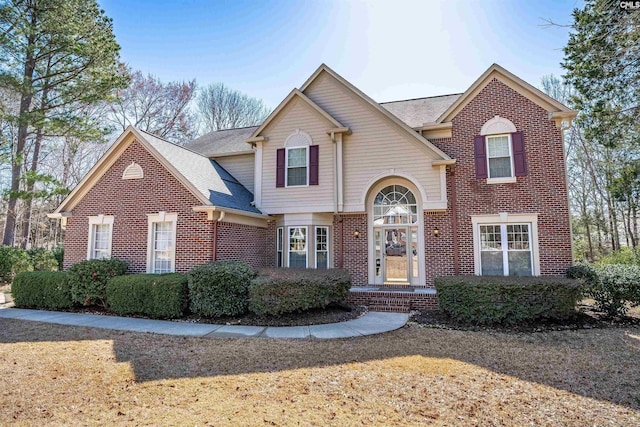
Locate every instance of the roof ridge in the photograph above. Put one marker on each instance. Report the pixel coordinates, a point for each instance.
(172, 143)
(423, 97)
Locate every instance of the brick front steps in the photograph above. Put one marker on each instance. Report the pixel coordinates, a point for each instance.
(394, 299)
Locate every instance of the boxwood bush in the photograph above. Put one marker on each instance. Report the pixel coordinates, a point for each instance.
(507, 300)
(88, 280)
(42, 289)
(613, 287)
(154, 295)
(219, 288)
(276, 291)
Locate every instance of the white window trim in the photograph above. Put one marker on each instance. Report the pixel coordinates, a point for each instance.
(161, 217)
(306, 244)
(506, 218)
(504, 179)
(286, 166)
(315, 249)
(99, 220)
(280, 246)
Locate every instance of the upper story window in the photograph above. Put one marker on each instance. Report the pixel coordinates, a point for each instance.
(499, 156)
(499, 152)
(297, 164)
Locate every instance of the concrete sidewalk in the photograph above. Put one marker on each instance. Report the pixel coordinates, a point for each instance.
(369, 324)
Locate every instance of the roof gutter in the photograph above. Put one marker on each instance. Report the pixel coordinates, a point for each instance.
(211, 210)
(62, 216)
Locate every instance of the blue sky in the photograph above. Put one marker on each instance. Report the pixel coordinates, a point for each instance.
(391, 49)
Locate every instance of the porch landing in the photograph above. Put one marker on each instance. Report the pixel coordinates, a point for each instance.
(398, 299)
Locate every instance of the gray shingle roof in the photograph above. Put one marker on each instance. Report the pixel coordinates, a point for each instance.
(417, 112)
(414, 112)
(222, 142)
(207, 176)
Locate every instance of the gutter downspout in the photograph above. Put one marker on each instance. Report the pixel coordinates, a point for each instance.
(454, 222)
(215, 236)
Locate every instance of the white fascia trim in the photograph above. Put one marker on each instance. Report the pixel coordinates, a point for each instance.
(506, 218)
(99, 220)
(257, 177)
(277, 210)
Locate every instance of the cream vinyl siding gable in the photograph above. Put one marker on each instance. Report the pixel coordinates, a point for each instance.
(241, 167)
(314, 198)
(376, 147)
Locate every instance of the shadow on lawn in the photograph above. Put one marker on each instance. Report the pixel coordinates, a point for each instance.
(599, 363)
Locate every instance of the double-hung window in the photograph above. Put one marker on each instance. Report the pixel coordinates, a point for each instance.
(322, 247)
(298, 247)
(280, 247)
(100, 233)
(297, 162)
(499, 156)
(161, 250)
(506, 250)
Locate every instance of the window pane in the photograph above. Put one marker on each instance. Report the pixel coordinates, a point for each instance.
(498, 146)
(298, 247)
(297, 157)
(297, 176)
(298, 259)
(490, 237)
(500, 167)
(518, 237)
(321, 260)
(279, 238)
(491, 263)
(163, 244)
(520, 263)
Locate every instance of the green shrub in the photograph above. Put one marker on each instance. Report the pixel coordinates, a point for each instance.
(13, 261)
(58, 254)
(613, 287)
(276, 291)
(582, 270)
(154, 295)
(219, 288)
(627, 256)
(42, 259)
(507, 300)
(42, 289)
(88, 279)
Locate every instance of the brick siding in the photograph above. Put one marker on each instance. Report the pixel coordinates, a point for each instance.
(246, 243)
(129, 201)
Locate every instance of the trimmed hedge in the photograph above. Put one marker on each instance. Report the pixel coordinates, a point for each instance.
(154, 295)
(88, 280)
(286, 290)
(42, 289)
(614, 287)
(219, 288)
(507, 300)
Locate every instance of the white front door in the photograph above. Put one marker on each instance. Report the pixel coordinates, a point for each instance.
(396, 255)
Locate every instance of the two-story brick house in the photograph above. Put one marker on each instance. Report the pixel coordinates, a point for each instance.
(397, 193)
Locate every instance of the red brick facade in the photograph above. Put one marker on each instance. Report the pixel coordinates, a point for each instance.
(253, 245)
(129, 201)
(542, 191)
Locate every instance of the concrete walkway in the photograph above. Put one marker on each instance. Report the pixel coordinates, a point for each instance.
(369, 324)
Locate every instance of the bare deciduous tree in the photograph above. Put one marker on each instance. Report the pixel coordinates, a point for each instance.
(224, 108)
(155, 107)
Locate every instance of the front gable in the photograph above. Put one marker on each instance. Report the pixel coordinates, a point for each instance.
(379, 144)
(296, 118)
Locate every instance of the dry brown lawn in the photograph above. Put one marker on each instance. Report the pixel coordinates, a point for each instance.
(59, 375)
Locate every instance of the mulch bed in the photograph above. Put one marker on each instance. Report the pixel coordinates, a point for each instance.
(585, 318)
(332, 314)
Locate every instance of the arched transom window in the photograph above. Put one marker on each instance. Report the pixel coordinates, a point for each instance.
(395, 204)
